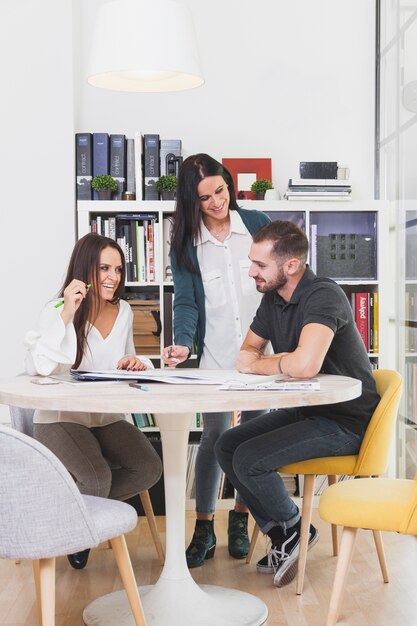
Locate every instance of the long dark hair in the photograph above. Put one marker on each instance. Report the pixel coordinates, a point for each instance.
(187, 215)
(84, 265)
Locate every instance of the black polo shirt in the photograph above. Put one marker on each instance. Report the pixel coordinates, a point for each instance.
(322, 301)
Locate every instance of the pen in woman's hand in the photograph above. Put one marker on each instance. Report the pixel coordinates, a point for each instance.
(61, 302)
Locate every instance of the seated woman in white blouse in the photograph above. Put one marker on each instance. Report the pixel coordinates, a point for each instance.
(92, 330)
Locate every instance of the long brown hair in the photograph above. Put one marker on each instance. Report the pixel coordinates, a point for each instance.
(84, 265)
(187, 215)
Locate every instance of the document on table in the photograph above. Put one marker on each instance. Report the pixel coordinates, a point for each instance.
(280, 383)
(180, 376)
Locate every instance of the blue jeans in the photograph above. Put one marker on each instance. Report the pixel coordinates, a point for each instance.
(250, 453)
(207, 469)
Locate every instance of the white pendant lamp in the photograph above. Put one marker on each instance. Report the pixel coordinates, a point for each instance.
(144, 46)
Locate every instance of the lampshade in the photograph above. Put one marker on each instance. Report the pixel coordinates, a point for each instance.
(144, 45)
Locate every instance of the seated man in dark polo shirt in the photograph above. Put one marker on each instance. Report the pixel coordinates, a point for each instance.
(310, 324)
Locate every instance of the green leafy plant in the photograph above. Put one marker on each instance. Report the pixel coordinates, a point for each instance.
(104, 181)
(261, 185)
(166, 183)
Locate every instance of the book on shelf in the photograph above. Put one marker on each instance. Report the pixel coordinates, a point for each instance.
(139, 237)
(84, 165)
(192, 451)
(376, 321)
(361, 310)
(138, 148)
(318, 182)
(150, 250)
(118, 163)
(151, 166)
(344, 197)
(167, 226)
(371, 326)
(140, 420)
(133, 252)
(130, 166)
(170, 157)
(168, 317)
(319, 189)
(141, 257)
(101, 156)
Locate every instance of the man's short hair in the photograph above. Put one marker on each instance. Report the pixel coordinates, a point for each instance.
(288, 240)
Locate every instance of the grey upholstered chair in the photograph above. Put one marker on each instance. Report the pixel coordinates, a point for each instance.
(22, 420)
(43, 515)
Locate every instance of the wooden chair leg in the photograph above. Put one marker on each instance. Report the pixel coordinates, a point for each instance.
(253, 541)
(147, 507)
(343, 562)
(46, 587)
(36, 576)
(335, 540)
(381, 554)
(306, 513)
(124, 564)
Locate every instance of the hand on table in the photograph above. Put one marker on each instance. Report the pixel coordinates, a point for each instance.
(132, 363)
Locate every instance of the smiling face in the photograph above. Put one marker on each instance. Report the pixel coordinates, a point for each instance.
(267, 270)
(214, 199)
(110, 272)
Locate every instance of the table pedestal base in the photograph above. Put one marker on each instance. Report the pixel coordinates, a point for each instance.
(181, 603)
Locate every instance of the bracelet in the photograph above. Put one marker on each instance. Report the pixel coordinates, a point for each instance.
(279, 365)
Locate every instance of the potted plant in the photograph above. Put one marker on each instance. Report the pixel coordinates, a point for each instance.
(260, 186)
(104, 184)
(166, 186)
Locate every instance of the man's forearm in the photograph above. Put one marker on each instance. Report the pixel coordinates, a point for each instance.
(254, 362)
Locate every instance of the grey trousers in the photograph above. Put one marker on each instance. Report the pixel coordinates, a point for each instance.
(115, 461)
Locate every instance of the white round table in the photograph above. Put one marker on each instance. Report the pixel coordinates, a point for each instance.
(175, 600)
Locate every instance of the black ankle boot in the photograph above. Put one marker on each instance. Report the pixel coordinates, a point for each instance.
(203, 543)
(238, 539)
(78, 560)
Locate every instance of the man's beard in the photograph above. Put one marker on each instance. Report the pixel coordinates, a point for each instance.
(279, 282)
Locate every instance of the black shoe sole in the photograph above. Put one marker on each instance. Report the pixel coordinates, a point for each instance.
(78, 560)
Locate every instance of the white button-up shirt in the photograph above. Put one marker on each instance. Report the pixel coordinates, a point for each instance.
(231, 298)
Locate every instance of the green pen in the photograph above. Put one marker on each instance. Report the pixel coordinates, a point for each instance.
(58, 304)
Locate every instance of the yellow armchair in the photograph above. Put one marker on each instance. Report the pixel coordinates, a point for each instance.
(383, 504)
(372, 460)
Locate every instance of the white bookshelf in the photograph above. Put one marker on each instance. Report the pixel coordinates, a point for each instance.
(88, 209)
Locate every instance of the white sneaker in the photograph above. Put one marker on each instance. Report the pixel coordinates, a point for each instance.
(269, 563)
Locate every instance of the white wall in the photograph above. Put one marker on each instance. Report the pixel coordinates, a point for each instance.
(290, 80)
(37, 203)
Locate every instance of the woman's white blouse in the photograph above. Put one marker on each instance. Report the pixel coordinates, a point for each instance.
(53, 348)
(231, 297)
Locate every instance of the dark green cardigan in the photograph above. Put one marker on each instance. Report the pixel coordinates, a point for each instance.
(189, 309)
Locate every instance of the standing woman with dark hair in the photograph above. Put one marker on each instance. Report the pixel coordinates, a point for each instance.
(92, 330)
(214, 304)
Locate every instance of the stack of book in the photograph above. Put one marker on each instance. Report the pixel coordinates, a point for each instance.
(318, 189)
(135, 163)
(138, 236)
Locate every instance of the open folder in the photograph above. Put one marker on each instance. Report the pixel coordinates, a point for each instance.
(227, 379)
